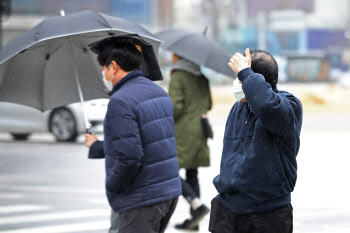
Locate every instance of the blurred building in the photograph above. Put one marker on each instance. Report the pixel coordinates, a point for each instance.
(140, 11)
(310, 34)
(150, 13)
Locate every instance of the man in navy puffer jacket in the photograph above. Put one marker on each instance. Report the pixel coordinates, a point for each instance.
(142, 180)
(258, 167)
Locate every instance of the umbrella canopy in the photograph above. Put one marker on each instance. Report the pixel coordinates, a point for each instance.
(197, 49)
(45, 66)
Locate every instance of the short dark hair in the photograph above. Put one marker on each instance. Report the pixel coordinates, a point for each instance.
(126, 55)
(264, 63)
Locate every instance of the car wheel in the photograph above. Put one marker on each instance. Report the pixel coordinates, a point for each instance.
(20, 136)
(63, 125)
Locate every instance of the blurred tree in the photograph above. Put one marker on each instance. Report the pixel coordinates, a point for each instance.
(224, 12)
(5, 9)
(165, 13)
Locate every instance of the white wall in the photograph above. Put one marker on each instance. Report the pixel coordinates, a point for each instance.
(330, 14)
(187, 13)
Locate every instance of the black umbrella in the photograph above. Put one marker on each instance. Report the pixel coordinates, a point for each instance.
(197, 49)
(50, 65)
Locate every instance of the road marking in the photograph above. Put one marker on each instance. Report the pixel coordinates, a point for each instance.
(22, 208)
(53, 216)
(10, 195)
(98, 200)
(320, 212)
(52, 189)
(76, 227)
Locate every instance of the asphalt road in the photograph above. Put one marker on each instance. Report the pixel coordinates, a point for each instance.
(49, 187)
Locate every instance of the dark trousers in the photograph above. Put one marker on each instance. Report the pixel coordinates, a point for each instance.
(190, 186)
(151, 219)
(279, 220)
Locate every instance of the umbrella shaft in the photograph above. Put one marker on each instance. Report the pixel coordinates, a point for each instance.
(87, 123)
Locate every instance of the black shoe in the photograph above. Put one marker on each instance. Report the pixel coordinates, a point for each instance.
(197, 215)
(185, 226)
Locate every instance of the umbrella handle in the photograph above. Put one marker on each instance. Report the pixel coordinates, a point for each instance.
(88, 131)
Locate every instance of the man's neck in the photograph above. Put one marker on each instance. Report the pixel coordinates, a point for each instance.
(120, 75)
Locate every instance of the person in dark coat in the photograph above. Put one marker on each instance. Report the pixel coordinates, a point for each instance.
(258, 166)
(142, 179)
(189, 90)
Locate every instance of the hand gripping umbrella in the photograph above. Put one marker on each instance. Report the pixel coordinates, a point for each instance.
(50, 65)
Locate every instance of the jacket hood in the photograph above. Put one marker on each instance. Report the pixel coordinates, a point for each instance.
(188, 66)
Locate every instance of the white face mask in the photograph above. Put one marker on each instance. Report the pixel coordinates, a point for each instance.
(109, 83)
(237, 90)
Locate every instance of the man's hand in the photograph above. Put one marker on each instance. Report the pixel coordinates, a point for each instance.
(238, 62)
(90, 139)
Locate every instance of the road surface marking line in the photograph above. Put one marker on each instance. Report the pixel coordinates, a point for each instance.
(98, 200)
(22, 208)
(10, 195)
(54, 216)
(76, 227)
(323, 212)
(52, 189)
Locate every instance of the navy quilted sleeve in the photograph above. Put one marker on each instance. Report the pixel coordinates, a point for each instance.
(280, 113)
(96, 150)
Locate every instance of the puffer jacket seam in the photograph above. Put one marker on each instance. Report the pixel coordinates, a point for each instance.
(162, 97)
(162, 118)
(158, 182)
(158, 141)
(124, 137)
(147, 165)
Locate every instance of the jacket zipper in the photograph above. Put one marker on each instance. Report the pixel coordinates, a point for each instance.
(247, 119)
(242, 139)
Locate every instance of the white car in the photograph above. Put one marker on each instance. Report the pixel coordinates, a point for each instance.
(65, 123)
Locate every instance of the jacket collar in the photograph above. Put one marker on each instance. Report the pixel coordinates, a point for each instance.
(134, 74)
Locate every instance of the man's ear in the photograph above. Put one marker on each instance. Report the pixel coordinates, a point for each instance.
(115, 67)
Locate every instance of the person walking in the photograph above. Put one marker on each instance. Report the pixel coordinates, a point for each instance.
(258, 165)
(142, 178)
(190, 93)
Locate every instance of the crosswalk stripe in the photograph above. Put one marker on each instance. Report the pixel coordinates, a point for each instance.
(22, 208)
(10, 195)
(75, 227)
(317, 213)
(53, 216)
(98, 200)
(52, 189)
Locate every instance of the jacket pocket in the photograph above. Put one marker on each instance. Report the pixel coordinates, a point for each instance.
(251, 130)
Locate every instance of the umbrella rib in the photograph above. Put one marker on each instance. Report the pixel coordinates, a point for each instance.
(43, 74)
(179, 42)
(208, 56)
(106, 22)
(43, 81)
(176, 41)
(89, 57)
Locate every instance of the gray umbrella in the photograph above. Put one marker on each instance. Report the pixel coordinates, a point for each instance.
(197, 49)
(50, 65)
